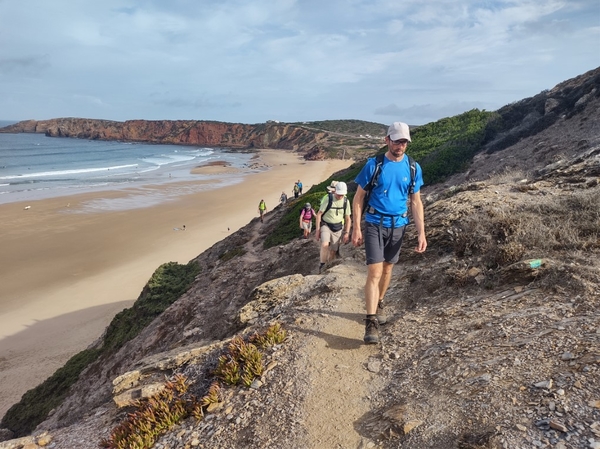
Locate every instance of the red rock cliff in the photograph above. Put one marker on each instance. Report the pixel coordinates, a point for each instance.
(180, 132)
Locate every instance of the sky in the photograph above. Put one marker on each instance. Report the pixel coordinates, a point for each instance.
(238, 61)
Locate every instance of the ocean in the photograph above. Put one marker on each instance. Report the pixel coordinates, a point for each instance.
(33, 167)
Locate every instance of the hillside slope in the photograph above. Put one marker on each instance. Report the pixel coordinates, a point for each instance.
(494, 341)
(479, 354)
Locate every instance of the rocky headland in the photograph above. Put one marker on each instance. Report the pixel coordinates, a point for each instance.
(313, 143)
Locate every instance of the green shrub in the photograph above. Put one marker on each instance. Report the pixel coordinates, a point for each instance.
(447, 146)
(231, 253)
(166, 285)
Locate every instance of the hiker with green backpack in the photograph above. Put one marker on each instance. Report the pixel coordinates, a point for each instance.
(333, 221)
(386, 186)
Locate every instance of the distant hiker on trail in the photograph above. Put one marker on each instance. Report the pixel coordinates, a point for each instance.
(283, 198)
(333, 221)
(306, 218)
(262, 208)
(299, 184)
(296, 190)
(385, 186)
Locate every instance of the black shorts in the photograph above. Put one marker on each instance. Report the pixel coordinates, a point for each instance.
(384, 247)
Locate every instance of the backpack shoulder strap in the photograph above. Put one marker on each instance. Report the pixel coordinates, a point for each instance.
(413, 174)
(373, 181)
(378, 166)
(329, 203)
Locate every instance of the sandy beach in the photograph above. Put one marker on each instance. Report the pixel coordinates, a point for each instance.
(66, 271)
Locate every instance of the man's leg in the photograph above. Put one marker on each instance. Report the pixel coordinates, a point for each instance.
(334, 248)
(384, 283)
(325, 244)
(374, 278)
(374, 273)
(375, 267)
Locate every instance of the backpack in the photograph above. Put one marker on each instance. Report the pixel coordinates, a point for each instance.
(308, 214)
(335, 227)
(330, 203)
(378, 167)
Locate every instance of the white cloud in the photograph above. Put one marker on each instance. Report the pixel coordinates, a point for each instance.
(248, 61)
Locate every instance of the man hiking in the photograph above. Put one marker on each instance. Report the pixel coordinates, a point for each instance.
(306, 218)
(399, 180)
(262, 209)
(333, 222)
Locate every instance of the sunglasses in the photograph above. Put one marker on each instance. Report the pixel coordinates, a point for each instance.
(399, 141)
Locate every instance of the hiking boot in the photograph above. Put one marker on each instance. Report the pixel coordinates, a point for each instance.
(381, 316)
(371, 331)
(321, 267)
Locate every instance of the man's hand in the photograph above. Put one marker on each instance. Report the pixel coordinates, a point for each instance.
(421, 244)
(357, 238)
(318, 234)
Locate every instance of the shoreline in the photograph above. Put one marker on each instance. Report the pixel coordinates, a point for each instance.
(67, 272)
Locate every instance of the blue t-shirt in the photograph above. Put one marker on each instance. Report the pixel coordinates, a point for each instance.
(390, 195)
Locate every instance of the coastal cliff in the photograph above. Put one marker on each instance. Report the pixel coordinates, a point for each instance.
(180, 132)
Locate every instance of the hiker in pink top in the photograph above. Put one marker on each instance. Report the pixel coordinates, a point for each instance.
(306, 218)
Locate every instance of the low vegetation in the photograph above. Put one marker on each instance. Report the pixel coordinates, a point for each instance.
(152, 417)
(36, 403)
(231, 253)
(508, 234)
(447, 146)
(168, 283)
(551, 224)
(352, 127)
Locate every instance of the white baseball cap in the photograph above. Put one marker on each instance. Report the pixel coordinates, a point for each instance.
(399, 130)
(341, 188)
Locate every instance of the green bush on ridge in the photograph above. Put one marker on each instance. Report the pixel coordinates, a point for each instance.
(166, 285)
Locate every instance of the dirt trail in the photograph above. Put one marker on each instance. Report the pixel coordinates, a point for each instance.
(337, 361)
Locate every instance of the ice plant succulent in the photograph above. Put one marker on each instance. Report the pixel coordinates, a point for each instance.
(154, 416)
